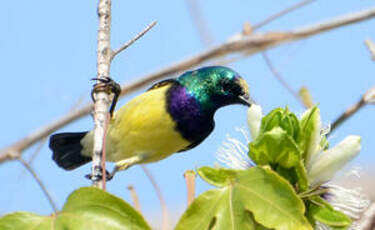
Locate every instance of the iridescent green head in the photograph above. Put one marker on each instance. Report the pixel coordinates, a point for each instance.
(216, 86)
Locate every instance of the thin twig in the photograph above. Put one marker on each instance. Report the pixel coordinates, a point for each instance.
(251, 44)
(277, 75)
(281, 13)
(40, 183)
(163, 206)
(130, 42)
(200, 23)
(190, 185)
(136, 203)
(37, 151)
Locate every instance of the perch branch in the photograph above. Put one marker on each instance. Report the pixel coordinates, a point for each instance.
(101, 97)
(253, 43)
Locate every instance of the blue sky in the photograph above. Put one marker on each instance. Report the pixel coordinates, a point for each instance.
(49, 54)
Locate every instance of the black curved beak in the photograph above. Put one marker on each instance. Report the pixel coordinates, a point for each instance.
(246, 100)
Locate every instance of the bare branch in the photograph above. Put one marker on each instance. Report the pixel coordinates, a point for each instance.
(190, 185)
(277, 75)
(40, 183)
(200, 23)
(251, 44)
(163, 206)
(130, 42)
(136, 203)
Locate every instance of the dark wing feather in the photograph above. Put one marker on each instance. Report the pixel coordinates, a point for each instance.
(162, 83)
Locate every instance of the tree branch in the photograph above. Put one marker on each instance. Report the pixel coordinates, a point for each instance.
(252, 44)
(367, 98)
(101, 97)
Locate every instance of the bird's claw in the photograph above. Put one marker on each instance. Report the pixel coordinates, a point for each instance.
(98, 177)
(109, 86)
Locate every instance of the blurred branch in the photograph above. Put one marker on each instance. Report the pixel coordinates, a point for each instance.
(277, 75)
(367, 221)
(367, 98)
(200, 23)
(130, 42)
(40, 183)
(163, 206)
(306, 97)
(281, 13)
(252, 44)
(136, 203)
(190, 185)
(371, 47)
(266, 58)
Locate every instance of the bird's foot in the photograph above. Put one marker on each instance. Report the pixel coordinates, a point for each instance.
(109, 86)
(98, 176)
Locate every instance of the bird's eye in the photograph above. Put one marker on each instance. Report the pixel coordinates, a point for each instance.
(231, 88)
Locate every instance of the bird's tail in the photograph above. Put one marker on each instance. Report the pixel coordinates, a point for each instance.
(67, 149)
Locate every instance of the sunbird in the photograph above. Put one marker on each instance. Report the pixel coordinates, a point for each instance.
(174, 115)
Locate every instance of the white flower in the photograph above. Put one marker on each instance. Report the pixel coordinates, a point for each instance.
(323, 165)
(254, 120)
(233, 153)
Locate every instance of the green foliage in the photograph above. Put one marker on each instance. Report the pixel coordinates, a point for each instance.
(322, 211)
(244, 199)
(86, 208)
(276, 194)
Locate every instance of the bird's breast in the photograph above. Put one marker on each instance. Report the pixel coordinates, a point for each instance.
(192, 121)
(144, 126)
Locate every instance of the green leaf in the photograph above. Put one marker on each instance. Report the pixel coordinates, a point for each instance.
(256, 195)
(325, 214)
(281, 118)
(310, 127)
(275, 147)
(271, 120)
(218, 177)
(25, 220)
(86, 208)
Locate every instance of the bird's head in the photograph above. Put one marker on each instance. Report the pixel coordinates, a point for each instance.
(216, 86)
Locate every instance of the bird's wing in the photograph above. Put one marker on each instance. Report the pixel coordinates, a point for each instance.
(162, 83)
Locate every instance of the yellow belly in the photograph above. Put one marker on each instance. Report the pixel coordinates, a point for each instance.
(143, 126)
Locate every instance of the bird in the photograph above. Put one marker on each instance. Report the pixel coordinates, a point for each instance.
(173, 115)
